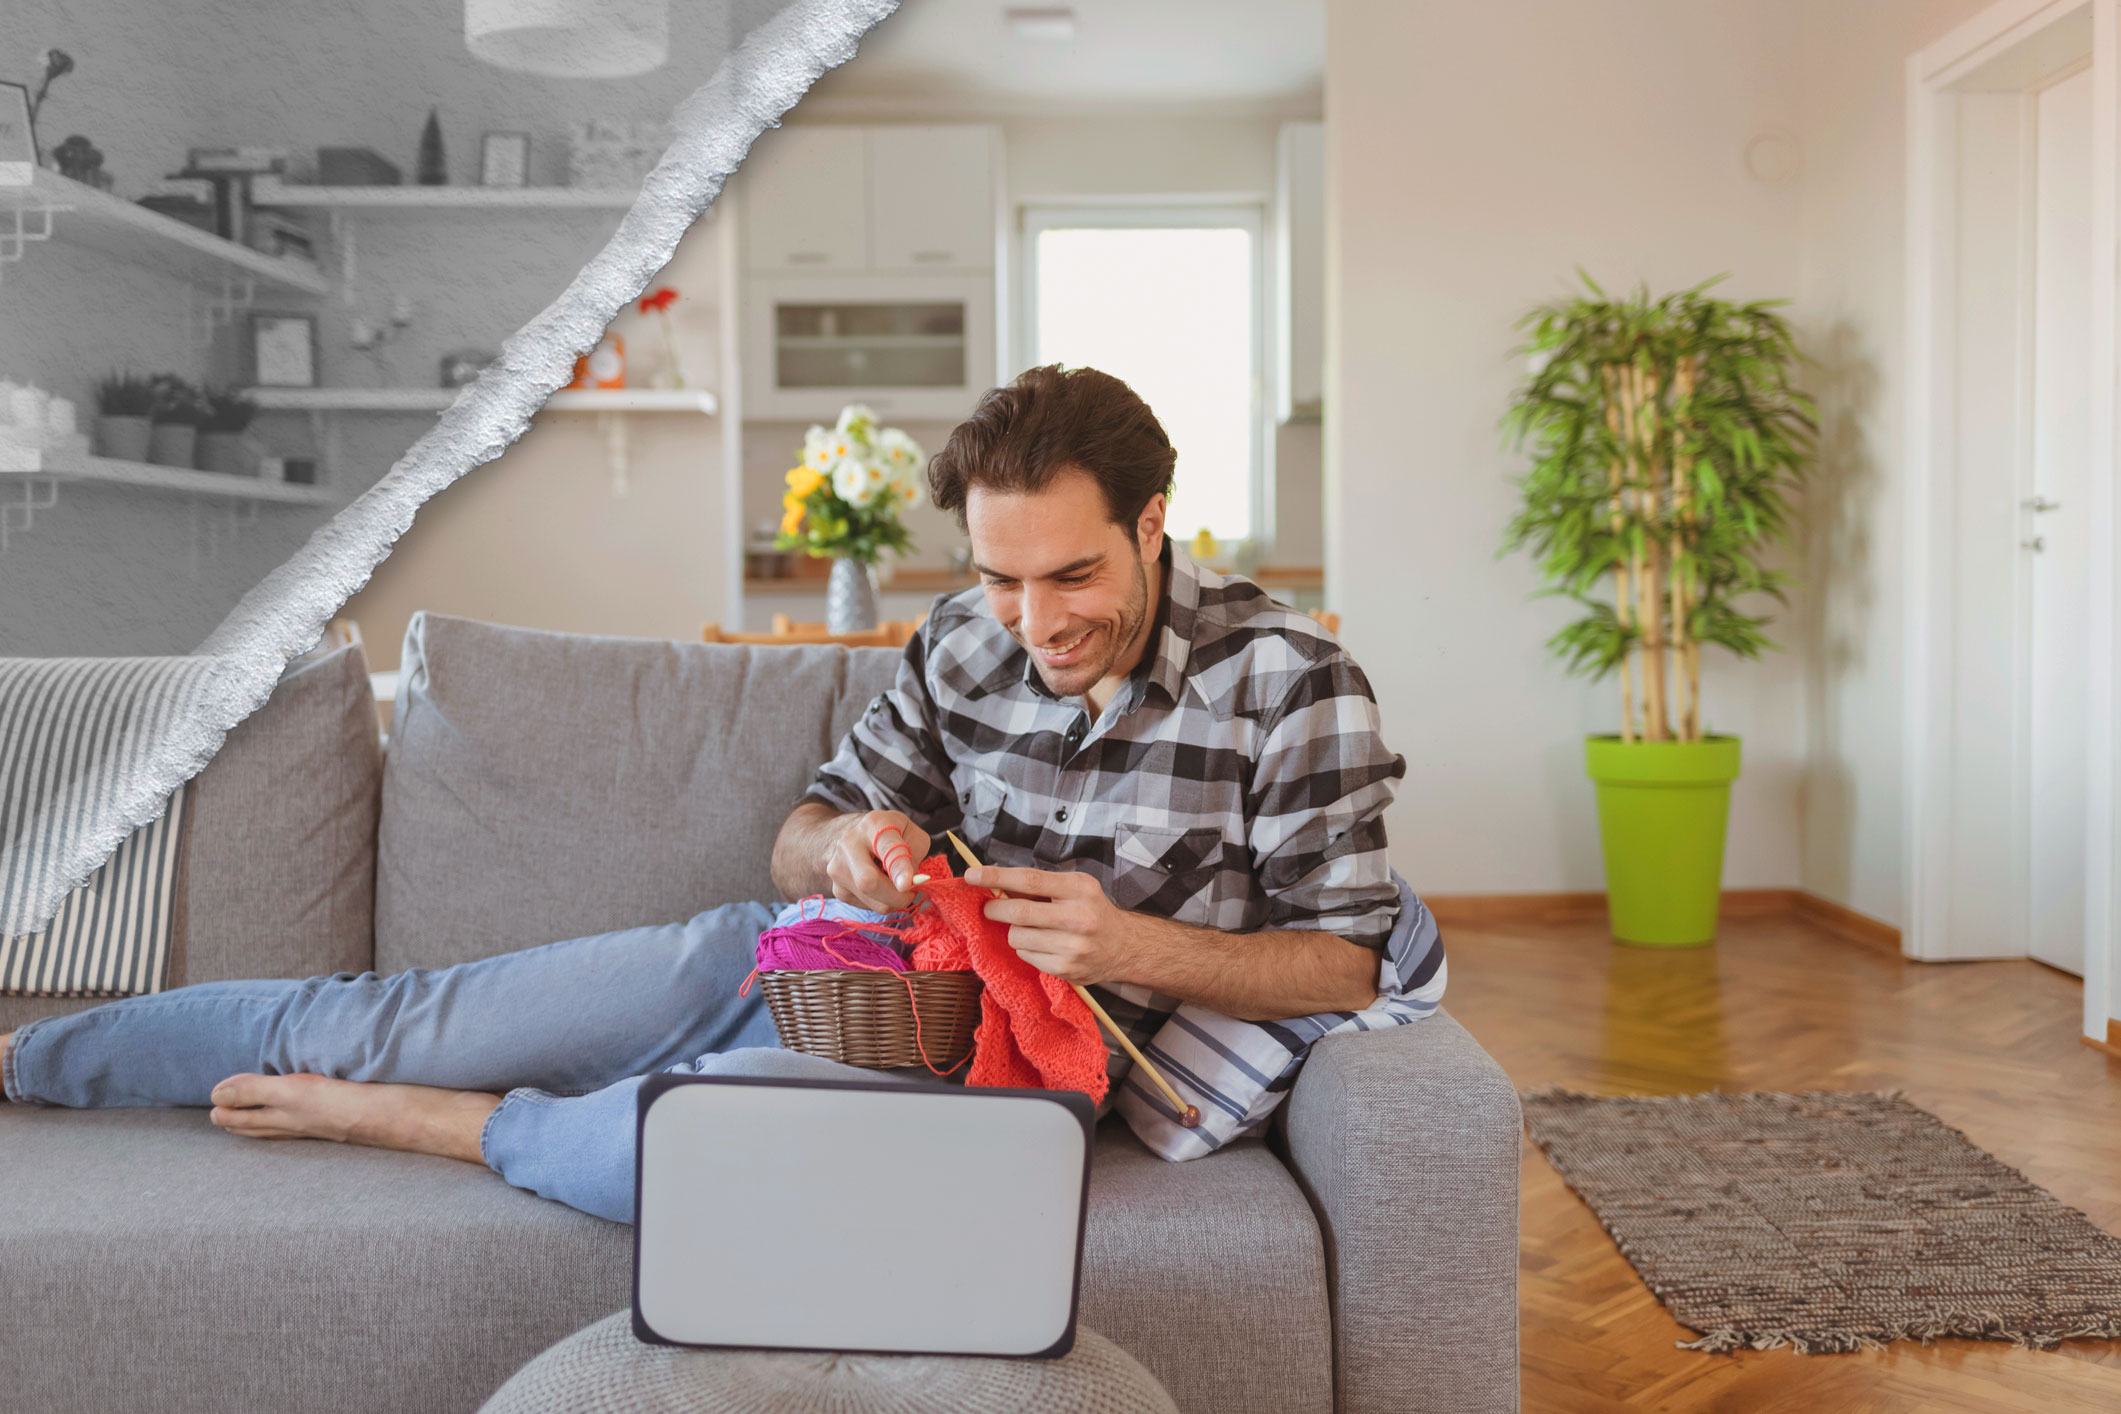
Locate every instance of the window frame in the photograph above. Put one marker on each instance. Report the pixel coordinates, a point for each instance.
(1036, 217)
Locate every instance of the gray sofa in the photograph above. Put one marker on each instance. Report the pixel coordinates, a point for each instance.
(541, 786)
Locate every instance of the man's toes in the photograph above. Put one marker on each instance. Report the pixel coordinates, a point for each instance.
(255, 1123)
(245, 1091)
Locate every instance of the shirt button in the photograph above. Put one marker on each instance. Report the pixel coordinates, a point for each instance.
(1061, 814)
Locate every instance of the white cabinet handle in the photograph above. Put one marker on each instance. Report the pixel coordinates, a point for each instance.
(807, 257)
(932, 257)
(2036, 544)
(2037, 504)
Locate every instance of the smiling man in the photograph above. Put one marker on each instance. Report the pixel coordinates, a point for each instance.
(1178, 782)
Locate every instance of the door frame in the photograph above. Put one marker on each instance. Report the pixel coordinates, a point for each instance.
(2009, 28)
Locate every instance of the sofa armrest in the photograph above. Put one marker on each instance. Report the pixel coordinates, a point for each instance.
(1407, 1142)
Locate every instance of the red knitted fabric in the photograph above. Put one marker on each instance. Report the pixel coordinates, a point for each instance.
(1034, 1032)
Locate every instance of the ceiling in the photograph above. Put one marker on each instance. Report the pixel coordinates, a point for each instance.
(956, 56)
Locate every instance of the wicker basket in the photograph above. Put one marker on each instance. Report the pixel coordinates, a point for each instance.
(867, 1018)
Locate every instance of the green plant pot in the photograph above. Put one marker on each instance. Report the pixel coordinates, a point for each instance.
(1662, 808)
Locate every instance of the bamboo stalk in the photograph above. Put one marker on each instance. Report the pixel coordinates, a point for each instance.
(1622, 589)
(1656, 719)
(1683, 521)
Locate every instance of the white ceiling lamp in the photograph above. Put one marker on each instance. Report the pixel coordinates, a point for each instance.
(570, 39)
(1053, 23)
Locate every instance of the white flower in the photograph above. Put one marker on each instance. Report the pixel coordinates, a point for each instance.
(856, 421)
(818, 445)
(901, 452)
(856, 480)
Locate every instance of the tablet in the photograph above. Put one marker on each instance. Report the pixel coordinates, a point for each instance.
(846, 1215)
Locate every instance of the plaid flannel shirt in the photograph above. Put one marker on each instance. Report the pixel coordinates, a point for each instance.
(1237, 781)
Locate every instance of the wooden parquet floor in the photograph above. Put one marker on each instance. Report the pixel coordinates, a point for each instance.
(1989, 1047)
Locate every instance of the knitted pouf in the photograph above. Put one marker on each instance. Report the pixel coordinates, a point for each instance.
(602, 1369)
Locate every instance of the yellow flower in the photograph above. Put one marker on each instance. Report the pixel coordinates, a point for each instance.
(793, 520)
(802, 481)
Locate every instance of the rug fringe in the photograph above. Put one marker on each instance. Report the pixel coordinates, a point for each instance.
(1726, 1340)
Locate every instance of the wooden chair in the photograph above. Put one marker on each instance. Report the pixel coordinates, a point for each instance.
(892, 633)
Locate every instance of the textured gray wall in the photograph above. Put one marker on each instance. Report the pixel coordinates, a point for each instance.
(113, 570)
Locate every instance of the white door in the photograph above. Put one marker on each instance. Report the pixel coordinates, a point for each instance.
(2055, 519)
(931, 197)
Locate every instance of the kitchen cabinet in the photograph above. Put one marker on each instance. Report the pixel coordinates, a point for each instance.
(806, 200)
(931, 197)
(920, 346)
(870, 270)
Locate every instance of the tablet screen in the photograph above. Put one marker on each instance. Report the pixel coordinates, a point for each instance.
(850, 1216)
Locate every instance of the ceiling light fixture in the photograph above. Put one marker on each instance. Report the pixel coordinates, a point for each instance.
(1052, 23)
(570, 39)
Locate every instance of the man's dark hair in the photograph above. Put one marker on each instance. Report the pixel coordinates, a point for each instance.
(1048, 421)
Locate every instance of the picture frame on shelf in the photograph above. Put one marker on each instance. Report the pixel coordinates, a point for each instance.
(504, 159)
(283, 350)
(18, 137)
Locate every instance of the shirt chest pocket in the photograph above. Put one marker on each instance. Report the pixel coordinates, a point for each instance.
(980, 797)
(1161, 871)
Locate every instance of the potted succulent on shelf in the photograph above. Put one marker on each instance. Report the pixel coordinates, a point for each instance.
(222, 444)
(124, 402)
(844, 502)
(178, 410)
(1666, 437)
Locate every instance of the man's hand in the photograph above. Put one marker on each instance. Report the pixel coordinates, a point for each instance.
(1064, 925)
(871, 861)
(1061, 924)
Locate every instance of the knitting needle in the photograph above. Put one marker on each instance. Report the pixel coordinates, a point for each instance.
(1188, 1115)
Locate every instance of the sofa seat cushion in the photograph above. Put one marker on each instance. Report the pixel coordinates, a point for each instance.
(310, 1278)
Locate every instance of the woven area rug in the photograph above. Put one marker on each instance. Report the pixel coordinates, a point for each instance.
(1828, 1222)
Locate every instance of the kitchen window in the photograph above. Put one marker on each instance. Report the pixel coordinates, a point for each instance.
(1167, 298)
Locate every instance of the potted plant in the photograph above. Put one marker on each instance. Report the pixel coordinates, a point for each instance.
(123, 404)
(1666, 436)
(224, 420)
(177, 412)
(844, 501)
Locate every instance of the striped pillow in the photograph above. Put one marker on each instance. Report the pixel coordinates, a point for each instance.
(111, 936)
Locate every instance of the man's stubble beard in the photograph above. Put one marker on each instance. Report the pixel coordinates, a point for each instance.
(1132, 618)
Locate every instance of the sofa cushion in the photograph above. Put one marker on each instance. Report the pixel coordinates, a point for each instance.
(276, 872)
(545, 785)
(310, 1278)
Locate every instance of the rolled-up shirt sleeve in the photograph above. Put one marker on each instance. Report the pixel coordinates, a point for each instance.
(1316, 803)
(892, 757)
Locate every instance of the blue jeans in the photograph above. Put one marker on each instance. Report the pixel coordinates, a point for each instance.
(566, 1030)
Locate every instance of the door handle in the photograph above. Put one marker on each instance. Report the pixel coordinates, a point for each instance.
(2037, 504)
(2037, 544)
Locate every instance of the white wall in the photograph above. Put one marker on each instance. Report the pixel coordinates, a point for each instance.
(1850, 292)
(1476, 154)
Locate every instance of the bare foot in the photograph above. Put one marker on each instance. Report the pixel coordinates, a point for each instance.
(417, 1119)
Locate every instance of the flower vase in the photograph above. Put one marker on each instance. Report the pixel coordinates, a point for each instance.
(172, 444)
(850, 598)
(123, 437)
